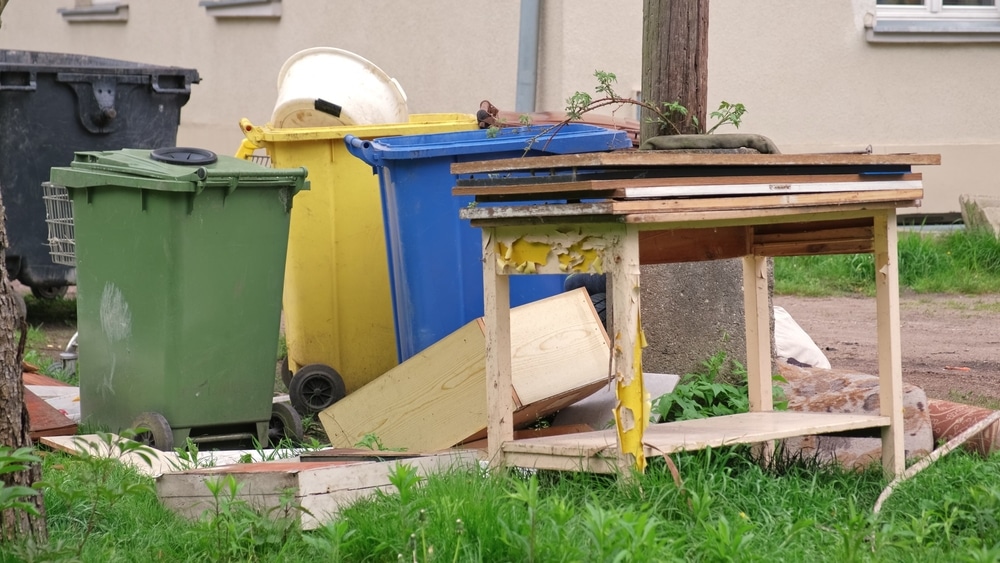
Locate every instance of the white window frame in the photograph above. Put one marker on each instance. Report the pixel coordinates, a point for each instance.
(934, 22)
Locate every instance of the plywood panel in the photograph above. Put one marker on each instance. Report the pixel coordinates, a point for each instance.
(592, 451)
(559, 354)
(46, 420)
(637, 158)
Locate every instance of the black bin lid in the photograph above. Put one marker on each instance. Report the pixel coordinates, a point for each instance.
(189, 156)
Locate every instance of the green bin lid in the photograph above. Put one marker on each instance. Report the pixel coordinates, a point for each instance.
(172, 169)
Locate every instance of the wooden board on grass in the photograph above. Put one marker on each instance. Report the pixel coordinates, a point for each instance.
(153, 463)
(46, 420)
(321, 489)
(560, 354)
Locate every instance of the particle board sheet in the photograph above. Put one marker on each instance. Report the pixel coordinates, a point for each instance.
(595, 451)
(320, 488)
(153, 463)
(159, 462)
(649, 188)
(676, 209)
(757, 202)
(658, 158)
(437, 398)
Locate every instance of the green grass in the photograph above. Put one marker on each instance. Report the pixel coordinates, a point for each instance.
(35, 353)
(728, 509)
(960, 261)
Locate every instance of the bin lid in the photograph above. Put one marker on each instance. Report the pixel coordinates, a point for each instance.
(173, 169)
(570, 138)
(41, 61)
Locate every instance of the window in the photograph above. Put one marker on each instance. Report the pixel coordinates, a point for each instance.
(952, 21)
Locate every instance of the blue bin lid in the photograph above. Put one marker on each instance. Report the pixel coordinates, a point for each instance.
(571, 138)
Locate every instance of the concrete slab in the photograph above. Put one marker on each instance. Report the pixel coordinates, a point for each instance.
(981, 212)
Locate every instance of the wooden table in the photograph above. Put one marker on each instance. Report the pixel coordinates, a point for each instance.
(618, 210)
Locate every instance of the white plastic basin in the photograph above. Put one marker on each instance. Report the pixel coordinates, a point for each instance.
(357, 91)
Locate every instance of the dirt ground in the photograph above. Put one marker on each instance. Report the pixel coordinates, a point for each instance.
(950, 343)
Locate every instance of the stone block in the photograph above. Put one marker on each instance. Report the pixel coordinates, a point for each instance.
(981, 212)
(834, 390)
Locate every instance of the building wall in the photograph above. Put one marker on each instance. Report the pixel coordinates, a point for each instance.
(805, 71)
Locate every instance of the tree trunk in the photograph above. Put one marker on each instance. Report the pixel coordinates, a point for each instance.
(689, 311)
(675, 61)
(13, 411)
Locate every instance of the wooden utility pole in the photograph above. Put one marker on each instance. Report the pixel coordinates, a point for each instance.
(689, 311)
(675, 60)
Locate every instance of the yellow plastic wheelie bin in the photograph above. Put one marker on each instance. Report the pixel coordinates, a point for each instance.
(337, 302)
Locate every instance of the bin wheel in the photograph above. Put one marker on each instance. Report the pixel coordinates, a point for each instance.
(70, 355)
(600, 305)
(286, 373)
(51, 292)
(285, 423)
(156, 432)
(315, 387)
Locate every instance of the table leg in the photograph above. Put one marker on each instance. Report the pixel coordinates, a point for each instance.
(890, 369)
(758, 327)
(631, 410)
(496, 318)
(757, 316)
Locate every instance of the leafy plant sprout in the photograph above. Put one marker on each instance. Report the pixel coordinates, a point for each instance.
(667, 114)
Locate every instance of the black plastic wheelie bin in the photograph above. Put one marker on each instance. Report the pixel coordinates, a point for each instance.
(54, 104)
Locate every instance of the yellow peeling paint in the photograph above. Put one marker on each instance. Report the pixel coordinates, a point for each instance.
(580, 256)
(529, 254)
(632, 414)
(525, 251)
(523, 256)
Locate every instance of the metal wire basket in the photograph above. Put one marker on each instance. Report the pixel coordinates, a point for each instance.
(59, 219)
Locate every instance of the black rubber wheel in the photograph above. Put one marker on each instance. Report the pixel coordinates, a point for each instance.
(315, 387)
(595, 283)
(155, 432)
(601, 306)
(53, 292)
(285, 423)
(286, 373)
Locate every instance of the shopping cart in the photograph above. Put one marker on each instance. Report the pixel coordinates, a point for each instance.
(62, 248)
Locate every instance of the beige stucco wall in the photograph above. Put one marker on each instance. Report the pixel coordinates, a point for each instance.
(809, 77)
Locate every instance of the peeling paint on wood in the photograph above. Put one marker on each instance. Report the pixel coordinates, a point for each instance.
(565, 251)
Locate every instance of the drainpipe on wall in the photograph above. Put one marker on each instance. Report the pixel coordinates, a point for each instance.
(527, 56)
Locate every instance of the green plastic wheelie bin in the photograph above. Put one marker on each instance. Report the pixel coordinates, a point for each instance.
(180, 258)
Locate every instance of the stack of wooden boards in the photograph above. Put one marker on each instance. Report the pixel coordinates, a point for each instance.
(638, 183)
